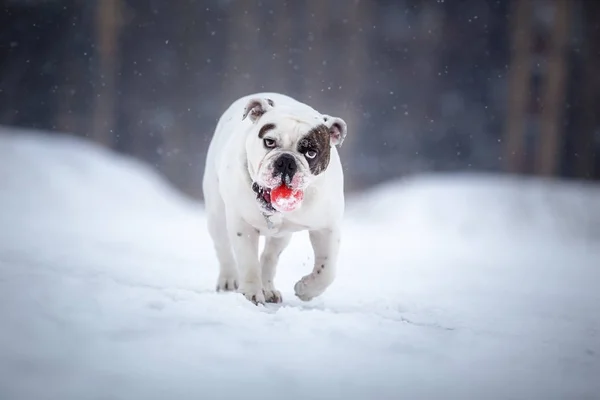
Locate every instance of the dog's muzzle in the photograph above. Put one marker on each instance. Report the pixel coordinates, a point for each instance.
(285, 165)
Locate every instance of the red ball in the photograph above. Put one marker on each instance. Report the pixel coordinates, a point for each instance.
(285, 199)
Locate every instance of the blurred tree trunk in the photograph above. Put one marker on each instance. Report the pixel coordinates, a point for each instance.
(554, 93)
(519, 84)
(242, 51)
(590, 90)
(68, 117)
(354, 65)
(279, 67)
(65, 120)
(183, 159)
(315, 63)
(107, 32)
(175, 141)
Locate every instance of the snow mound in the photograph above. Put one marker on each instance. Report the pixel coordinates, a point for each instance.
(448, 287)
(67, 174)
(488, 205)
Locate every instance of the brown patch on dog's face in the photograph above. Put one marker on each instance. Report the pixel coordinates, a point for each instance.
(317, 142)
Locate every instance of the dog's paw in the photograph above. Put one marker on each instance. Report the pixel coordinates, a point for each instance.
(227, 283)
(306, 288)
(272, 296)
(309, 287)
(253, 292)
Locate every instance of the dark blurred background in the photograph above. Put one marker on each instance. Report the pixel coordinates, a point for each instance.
(438, 85)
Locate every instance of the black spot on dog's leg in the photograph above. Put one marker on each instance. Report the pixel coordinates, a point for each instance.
(239, 234)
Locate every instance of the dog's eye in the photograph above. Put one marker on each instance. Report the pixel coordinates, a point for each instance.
(310, 154)
(269, 143)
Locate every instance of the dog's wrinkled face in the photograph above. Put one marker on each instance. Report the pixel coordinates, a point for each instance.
(284, 147)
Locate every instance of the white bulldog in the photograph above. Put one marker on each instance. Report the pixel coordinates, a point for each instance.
(261, 142)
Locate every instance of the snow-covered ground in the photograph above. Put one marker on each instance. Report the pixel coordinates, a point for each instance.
(449, 287)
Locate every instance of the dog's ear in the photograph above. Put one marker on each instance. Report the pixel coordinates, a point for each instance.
(256, 107)
(337, 129)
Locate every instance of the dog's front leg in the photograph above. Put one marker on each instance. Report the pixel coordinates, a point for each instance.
(244, 241)
(268, 263)
(326, 245)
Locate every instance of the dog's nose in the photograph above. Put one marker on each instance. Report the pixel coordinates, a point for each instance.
(286, 166)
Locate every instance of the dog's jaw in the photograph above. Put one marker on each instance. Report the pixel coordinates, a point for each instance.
(263, 198)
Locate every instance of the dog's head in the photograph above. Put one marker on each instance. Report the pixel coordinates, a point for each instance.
(288, 145)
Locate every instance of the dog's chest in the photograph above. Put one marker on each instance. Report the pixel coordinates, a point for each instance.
(276, 225)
